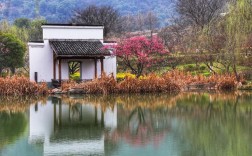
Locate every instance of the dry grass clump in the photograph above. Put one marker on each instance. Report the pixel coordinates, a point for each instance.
(227, 83)
(65, 85)
(173, 81)
(128, 85)
(186, 78)
(148, 84)
(221, 82)
(104, 85)
(108, 85)
(20, 85)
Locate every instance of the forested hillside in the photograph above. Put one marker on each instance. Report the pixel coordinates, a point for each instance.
(60, 11)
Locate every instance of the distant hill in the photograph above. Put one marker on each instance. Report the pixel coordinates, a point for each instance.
(60, 11)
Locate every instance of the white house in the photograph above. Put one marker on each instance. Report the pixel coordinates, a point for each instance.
(63, 43)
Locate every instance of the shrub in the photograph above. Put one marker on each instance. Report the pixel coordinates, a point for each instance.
(122, 76)
(207, 74)
(189, 67)
(202, 67)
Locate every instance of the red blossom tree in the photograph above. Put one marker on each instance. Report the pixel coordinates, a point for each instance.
(140, 52)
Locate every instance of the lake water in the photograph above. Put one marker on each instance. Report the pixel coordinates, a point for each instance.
(185, 124)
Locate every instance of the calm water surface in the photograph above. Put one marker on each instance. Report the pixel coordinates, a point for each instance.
(187, 124)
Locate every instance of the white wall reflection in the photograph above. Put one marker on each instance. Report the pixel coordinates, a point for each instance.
(70, 129)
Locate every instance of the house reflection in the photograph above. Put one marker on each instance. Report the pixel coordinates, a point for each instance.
(71, 129)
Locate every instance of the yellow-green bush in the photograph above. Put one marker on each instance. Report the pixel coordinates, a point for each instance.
(122, 76)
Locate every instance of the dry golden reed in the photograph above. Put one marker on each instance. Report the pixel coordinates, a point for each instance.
(20, 85)
(220, 82)
(107, 85)
(104, 85)
(173, 81)
(147, 84)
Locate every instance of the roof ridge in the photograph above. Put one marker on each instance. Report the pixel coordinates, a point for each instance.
(70, 24)
(74, 40)
(78, 47)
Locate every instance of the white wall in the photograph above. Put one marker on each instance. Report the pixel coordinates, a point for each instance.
(64, 69)
(110, 65)
(41, 54)
(88, 69)
(72, 32)
(41, 61)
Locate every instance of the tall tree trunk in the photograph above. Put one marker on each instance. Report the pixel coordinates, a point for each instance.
(236, 73)
(1, 69)
(13, 70)
(234, 67)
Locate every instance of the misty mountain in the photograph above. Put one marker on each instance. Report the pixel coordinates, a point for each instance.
(60, 11)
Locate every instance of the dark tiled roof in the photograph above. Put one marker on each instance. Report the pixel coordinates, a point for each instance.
(78, 47)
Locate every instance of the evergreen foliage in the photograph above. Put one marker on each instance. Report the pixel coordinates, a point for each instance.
(12, 52)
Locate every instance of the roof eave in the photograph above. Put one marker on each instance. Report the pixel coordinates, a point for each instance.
(68, 56)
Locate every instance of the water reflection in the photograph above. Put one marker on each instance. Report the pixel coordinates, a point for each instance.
(14, 104)
(140, 127)
(161, 124)
(72, 128)
(217, 124)
(12, 126)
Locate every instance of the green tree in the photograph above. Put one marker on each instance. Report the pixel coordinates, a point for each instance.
(12, 52)
(22, 23)
(239, 26)
(35, 31)
(19, 28)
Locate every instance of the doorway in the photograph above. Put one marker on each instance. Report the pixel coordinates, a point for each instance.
(74, 68)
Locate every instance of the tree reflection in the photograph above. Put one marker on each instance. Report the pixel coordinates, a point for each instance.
(13, 125)
(213, 124)
(139, 127)
(13, 119)
(75, 111)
